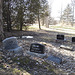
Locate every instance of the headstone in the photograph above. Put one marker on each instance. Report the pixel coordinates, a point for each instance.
(11, 44)
(73, 39)
(60, 37)
(25, 37)
(37, 48)
(66, 47)
(54, 59)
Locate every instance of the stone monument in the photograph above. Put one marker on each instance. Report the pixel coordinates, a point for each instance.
(11, 45)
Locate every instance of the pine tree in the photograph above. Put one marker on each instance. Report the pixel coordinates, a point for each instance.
(38, 8)
(67, 16)
(7, 13)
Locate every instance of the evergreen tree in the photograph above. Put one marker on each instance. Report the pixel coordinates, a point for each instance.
(39, 9)
(67, 16)
(7, 13)
(18, 9)
(73, 8)
(24, 12)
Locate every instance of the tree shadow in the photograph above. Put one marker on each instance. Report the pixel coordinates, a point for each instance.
(50, 38)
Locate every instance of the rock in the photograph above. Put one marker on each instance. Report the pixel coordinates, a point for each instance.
(35, 72)
(8, 58)
(18, 63)
(0, 49)
(37, 63)
(10, 61)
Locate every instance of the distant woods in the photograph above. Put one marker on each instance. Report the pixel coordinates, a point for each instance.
(20, 14)
(67, 16)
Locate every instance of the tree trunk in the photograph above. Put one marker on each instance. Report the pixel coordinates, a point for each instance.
(39, 21)
(20, 26)
(43, 21)
(8, 17)
(8, 22)
(1, 23)
(47, 24)
(9, 8)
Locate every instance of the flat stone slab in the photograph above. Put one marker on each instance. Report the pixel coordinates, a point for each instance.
(66, 47)
(36, 54)
(61, 40)
(54, 59)
(25, 37)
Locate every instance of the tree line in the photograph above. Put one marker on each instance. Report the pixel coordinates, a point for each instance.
(19, 13)
(67, 16)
